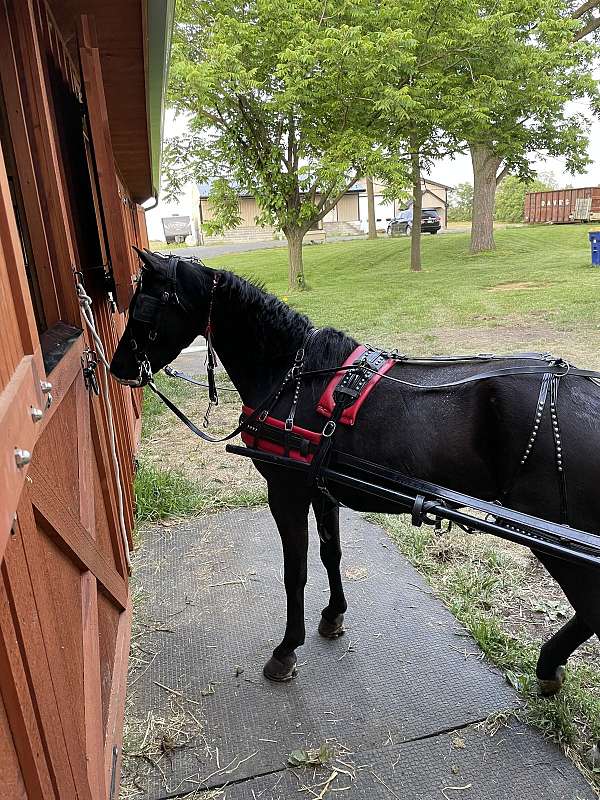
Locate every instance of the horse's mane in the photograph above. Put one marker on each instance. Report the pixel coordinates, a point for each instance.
(329, 348)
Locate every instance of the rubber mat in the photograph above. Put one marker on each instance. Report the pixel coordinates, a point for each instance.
(514, 764)
(213, 608)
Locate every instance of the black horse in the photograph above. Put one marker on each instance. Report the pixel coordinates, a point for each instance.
(469, 438)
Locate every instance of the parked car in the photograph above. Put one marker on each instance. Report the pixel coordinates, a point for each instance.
(402, 224)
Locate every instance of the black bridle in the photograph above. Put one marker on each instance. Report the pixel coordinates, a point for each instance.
(148, 309)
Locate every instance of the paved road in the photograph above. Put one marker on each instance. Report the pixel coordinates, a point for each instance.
(401, 699)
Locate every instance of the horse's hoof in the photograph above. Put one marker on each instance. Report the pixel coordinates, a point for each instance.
(592, 757)
(281, 671)
(549, 687)
(332, 630)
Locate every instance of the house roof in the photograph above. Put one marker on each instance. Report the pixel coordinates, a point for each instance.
(358, 188)
(361, 185)
(204, 188)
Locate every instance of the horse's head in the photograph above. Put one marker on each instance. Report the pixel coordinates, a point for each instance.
(161, 323)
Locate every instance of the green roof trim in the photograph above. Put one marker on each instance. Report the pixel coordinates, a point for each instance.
(161, 14)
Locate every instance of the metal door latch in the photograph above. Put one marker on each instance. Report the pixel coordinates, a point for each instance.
(89, 365)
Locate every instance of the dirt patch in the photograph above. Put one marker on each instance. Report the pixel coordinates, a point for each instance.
(515, 286)
(172, 446)
(502, 335)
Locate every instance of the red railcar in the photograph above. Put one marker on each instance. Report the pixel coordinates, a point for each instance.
(563, 205)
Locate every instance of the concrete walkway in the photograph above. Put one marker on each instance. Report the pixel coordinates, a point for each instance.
(404, 705)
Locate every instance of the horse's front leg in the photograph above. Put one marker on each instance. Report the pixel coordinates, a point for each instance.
(327, 514)
(289, 507)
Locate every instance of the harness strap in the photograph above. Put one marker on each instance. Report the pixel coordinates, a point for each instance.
(539, 411)
(345, 394)
(562, 480)
(198, 431)
(211, 359)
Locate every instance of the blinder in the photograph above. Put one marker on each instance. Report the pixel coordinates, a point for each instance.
(148, 309)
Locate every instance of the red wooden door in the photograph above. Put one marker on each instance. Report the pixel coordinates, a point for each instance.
(64, 601)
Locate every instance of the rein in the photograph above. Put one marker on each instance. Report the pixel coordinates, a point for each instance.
(553, 366)
(261, 411)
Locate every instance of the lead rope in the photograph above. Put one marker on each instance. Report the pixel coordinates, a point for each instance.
(211, 358)
(85, 302)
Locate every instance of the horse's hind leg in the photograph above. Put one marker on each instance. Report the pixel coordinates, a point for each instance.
(581, 586)
(289, 507)
(327, 514)
(554, 653)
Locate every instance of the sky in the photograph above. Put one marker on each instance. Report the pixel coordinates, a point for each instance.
(448, 171)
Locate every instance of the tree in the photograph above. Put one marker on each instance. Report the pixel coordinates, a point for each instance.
(510, 197)
(420, 119)
(460, 206)
(282, 99)
(520, 70)
(371, 209)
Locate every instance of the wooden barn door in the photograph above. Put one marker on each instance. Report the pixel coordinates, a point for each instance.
(64, 600)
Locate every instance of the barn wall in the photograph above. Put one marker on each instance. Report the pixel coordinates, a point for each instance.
(65, 608)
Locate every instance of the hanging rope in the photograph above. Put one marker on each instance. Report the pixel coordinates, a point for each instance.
(85, 301)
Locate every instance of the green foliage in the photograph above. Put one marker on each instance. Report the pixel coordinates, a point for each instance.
(510, 196)
(283, 96)
(224, 206)
(522, 66)
(460, 208)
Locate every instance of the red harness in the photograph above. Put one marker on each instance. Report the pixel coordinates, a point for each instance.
(308, 441)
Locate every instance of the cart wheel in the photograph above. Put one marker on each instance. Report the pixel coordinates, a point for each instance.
(408, 230)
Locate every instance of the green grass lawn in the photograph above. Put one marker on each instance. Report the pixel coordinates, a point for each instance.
(538, 278)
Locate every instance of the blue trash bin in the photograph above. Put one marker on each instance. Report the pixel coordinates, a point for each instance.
(595, 242)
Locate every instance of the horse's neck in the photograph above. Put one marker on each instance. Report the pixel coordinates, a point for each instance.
(255, 349)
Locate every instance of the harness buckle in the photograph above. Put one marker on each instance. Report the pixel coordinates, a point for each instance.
(289, 424)
(300, 356)
(329, 429)
(146, 370)
(263, 415)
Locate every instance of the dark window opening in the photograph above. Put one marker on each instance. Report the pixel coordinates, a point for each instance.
(75, 150)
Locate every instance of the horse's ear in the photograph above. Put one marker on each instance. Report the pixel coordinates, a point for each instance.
(145, 256)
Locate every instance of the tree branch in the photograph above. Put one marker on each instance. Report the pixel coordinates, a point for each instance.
(328, 205)
(585, 7)
(502, 174)
(588, 28)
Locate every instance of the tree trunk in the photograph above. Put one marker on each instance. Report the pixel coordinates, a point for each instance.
(296, 278)
(415, 239)
(371, 209)
(485, 169)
